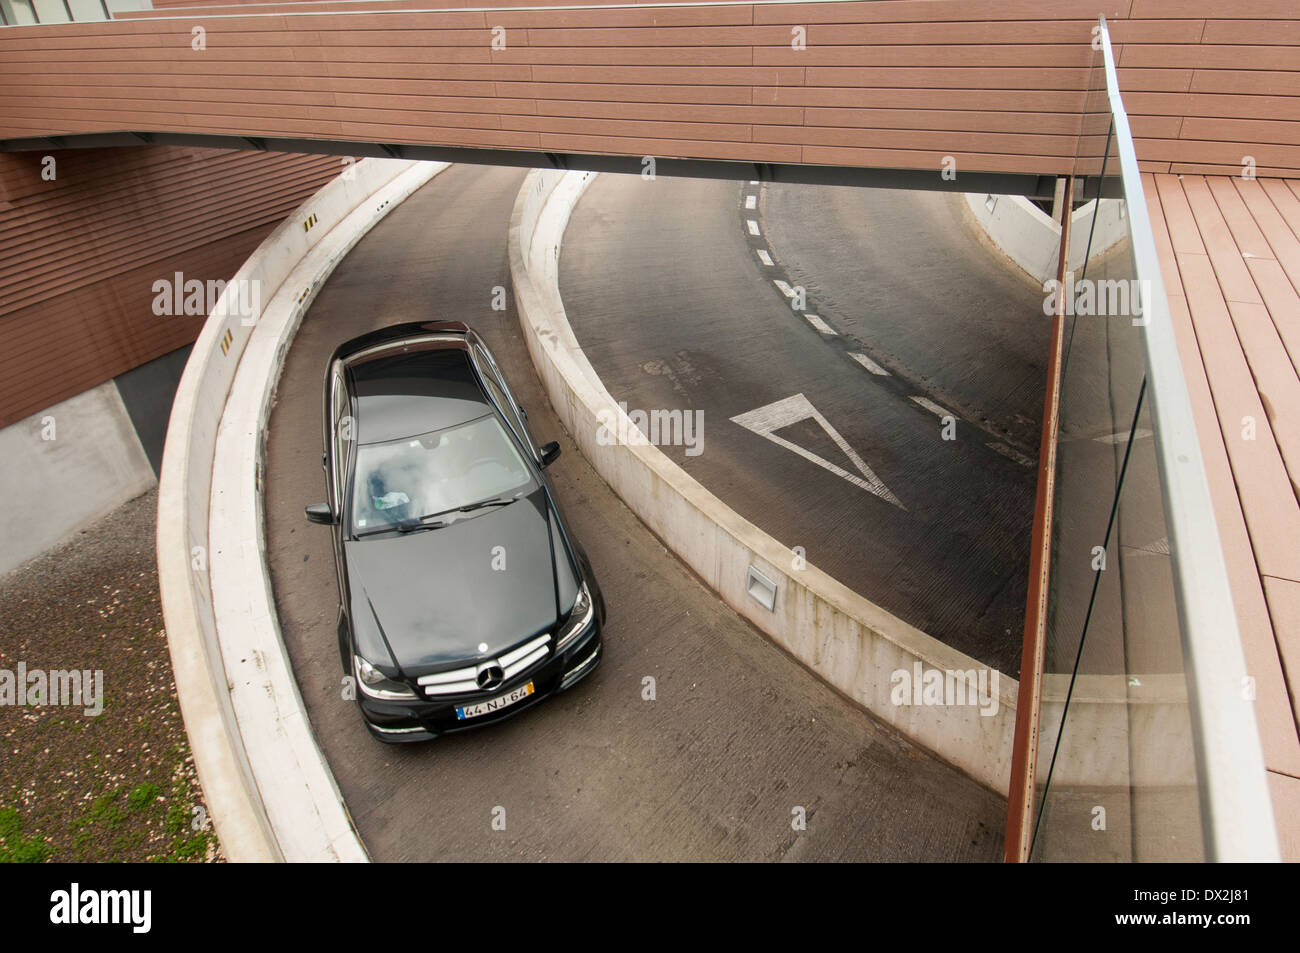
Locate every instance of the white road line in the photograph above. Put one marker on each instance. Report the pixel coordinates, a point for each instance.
(785, 288)
(821, 325)
(753, 181)
(869, 364)
(1011, 453)
(1122, 436)
(933, 408)
(764, 257)
(752, 226)
(751, 201)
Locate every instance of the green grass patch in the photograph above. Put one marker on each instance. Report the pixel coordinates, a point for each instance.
(17, 848)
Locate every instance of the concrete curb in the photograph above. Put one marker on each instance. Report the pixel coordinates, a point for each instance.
(846, 640)
(1030, 238)
(268, 788)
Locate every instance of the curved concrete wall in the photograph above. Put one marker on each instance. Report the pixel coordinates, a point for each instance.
(1029, 237)
(268, 790)
(848, 641)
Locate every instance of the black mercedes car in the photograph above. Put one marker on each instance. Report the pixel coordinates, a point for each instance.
(464, 598)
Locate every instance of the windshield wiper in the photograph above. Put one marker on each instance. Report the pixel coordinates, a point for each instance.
(407, 527)
(469, 508)
(496, 501)
(423, 522)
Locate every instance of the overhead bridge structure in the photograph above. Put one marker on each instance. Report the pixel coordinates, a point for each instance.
(970, 94)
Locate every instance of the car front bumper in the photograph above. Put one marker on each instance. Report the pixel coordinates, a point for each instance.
(397, 722)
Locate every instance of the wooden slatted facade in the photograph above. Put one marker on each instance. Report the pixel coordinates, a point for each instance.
(79, 254)
(996, 84)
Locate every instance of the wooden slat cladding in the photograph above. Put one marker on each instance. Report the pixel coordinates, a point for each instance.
(900, 83)
(79, 254)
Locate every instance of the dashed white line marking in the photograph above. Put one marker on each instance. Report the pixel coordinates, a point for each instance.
(821, 325)
(932, 407)
(1011, 453)
(784, 288)
(752, 226)
(753, 181)
(764, 257)
(1122, 436)
(869, 364)
(751, 201)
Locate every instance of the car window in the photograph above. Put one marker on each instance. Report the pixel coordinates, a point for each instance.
(341, 433)
(496, 386)
(402, 480)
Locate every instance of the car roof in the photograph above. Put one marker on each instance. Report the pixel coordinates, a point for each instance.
(407, 392)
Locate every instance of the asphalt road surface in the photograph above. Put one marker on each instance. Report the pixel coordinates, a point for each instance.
(887, 424)
(738, 735)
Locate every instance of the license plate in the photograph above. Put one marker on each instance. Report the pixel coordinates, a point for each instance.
(494, 704)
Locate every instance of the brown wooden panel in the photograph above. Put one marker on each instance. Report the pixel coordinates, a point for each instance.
(1229, 154)
(975, 100)
(1230, 270)
(1265, 32)
(1255, 82)
(1201, 168)
(1278, 733)
(321, 73)
(1078, 55)
(1208, 56)
(81, 254)
(1154, 80)
(1213, 9)
(951, 10)
(669, 112)
(1212, 106)
(949, 78)
(1242, 130)
(670, 148)
(633, 128)
(638, 93)
(921, 140)
(900, 159)
(950, 119)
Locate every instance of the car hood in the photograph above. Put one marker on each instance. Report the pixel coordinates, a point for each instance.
(433, 596)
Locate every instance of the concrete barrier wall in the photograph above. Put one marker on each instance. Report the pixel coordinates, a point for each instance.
(1029, 237)
(848, 641)
(66, 467)
(236, 794)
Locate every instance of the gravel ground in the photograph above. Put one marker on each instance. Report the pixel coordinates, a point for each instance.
(119, 785)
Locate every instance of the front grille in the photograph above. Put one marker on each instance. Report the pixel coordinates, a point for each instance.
(464, 681)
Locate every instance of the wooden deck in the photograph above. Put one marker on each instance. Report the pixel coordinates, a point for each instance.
(1230, 258)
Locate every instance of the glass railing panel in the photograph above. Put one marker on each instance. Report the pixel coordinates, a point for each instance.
(1116, 776)
(1124, 769)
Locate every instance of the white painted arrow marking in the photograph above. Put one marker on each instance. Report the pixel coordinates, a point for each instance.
(764, 420)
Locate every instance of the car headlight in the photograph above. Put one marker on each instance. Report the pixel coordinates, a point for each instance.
(579, 618)
(377, 685)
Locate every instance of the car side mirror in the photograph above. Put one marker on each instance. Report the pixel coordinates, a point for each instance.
(320, 513)
(550, 453)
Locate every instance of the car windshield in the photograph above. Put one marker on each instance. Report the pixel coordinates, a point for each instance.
(399, 481)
